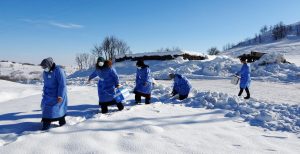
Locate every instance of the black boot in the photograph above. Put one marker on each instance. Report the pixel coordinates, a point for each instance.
(247, 97)
(46, 125)
(104, 109)
(147, 101)
(62, 121)
(248, 93)
(137, 98)
(241, 91)
(120, 106)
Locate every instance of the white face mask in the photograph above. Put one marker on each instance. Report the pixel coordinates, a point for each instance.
(47, 69)
(100, 64)
(139, 67)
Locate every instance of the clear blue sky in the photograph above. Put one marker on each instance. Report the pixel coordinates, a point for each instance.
(34, 29)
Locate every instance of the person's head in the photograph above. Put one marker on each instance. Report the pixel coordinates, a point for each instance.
(243, 60)
(140, 63)
(47, 64)
(100, 62)
(171, 76)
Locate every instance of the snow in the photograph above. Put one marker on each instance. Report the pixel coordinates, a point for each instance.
(218, 67)
(289, 48)
(212, 120)
(199, 124)
(25, 73)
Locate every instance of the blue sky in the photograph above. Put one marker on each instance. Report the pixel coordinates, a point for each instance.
(31, 30)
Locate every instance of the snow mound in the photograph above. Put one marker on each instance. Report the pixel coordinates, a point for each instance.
(271, 58)
(220, 67)
(276, 117)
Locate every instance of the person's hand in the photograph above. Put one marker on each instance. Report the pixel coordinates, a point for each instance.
(59, 99)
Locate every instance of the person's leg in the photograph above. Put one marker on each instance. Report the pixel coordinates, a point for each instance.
(62, 121)
(248, 93)
(182, 97)
(138, 98)
(104, 108)
(241, 91)
(120, 106)
(46, 123)
(147, 99)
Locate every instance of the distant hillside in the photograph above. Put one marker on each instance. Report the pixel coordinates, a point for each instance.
(24, 72)
(271, 34)
(288, 45)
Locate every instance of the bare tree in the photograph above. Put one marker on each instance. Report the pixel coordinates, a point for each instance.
(97, 51)
(298, 30)
(85, 59)
(213, 51)
(79, 61)
(92, 61)
(264, 29)
(122, 48)
(112, 46)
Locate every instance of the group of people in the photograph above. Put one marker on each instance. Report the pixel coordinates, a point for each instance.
(55, 101)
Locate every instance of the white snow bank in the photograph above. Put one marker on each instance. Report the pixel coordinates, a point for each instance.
(25, 73)
(271, 58)
(283, 117)
(220, 67)
(11, 90)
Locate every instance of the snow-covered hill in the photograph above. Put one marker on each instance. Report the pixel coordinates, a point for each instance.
(25, 73)
(289, 47)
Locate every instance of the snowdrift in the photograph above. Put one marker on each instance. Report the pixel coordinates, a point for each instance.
(282, 117)
(267, 68)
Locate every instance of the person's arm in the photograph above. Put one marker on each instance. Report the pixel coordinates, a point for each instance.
(115, 78)
(92, 76)
(174, 92)
(62, 84)
(147, 78)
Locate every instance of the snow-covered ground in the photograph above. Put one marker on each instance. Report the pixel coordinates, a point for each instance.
(272, 92)
(289, 47)
(204, 123)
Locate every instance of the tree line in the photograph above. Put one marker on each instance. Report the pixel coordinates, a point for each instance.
(268, 33)
(110, 48)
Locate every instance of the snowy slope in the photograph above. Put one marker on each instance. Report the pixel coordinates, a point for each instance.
(25, 73)
(200, 124)
(20, 72)
(289, 47)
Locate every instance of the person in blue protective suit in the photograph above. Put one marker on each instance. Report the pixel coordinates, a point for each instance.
(245, 78)
(54, 102)
(181, 86)
(143, 82)
(107, 84)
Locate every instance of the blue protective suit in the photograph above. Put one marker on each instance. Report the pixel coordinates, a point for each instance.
(143, 80)
(54, 86)
(108, 80)
(245, 76)
(181, 85)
